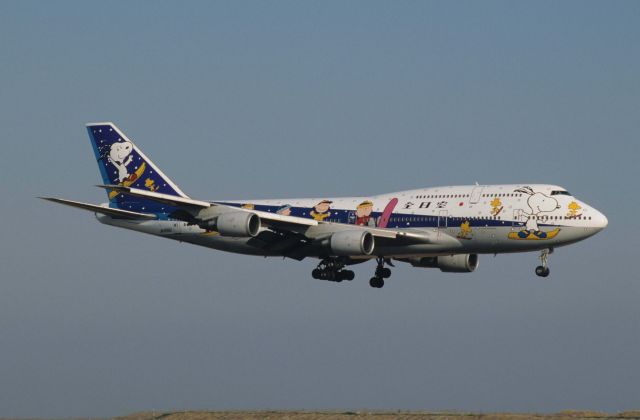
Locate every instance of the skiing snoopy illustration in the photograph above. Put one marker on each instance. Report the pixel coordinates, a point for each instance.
(538, 203)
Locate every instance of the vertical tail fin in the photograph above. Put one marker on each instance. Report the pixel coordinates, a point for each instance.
(122, 163)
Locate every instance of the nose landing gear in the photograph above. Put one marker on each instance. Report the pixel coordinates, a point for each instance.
(543, 269)
(382, 272)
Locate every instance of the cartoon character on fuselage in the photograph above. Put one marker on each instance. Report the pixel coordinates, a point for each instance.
(538, 203)
(496, 207)
(363, 214)
(284, 210)
(321, 210)
(120, 157)
(465, 230)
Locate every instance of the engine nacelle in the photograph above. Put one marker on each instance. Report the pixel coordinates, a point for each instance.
(238, 223)
(459, 263)
(352, 242)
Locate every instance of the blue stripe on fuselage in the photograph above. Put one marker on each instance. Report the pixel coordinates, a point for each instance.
(397, 220)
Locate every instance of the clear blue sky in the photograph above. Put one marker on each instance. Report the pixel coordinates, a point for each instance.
(281, 99)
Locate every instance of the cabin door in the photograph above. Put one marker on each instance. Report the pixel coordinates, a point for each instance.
(442, 220)
(476, 193)
(519, 218)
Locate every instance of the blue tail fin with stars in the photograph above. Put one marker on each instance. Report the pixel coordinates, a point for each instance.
(122, 163)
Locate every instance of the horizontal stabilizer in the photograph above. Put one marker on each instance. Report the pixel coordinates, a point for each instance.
(123, 214)
(163, 198)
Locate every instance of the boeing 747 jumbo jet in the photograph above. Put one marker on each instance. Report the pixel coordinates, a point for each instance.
(440, 227)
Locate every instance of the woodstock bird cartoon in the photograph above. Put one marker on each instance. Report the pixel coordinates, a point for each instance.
(120, 157)
(574, 207)
(538, 203)
(496, 207)
(151, 185)
(465, 230)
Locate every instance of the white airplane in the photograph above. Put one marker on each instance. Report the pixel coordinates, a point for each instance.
(442, 227)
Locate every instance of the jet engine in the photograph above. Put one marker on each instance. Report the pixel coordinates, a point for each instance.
(351, 242)
(238, 224)
(459, 263)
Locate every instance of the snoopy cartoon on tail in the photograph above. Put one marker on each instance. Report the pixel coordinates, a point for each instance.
(538, 203)
(120, 157)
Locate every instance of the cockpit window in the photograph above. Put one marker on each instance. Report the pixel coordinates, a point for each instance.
(560, 192)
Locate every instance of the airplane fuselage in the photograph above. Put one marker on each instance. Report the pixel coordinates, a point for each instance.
(477, 219)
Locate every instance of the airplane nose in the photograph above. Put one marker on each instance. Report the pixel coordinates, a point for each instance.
(600, 220)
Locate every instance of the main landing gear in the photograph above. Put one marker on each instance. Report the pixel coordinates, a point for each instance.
(543, 270)
(382, 273)
(332, 269)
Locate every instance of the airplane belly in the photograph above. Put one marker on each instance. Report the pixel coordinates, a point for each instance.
(222, 243)
(482, 240)
(509, 239)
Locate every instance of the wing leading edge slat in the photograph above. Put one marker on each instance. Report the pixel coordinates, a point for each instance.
(123, 214)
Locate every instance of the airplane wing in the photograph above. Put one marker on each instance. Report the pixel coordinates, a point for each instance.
(271, 219)
(195, 205)
(288, 229)
(117, 213)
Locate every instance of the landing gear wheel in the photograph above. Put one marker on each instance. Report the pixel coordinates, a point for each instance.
(347, 275)
(376, 282)
(331, 269)
(542, 271)
(382, 272)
